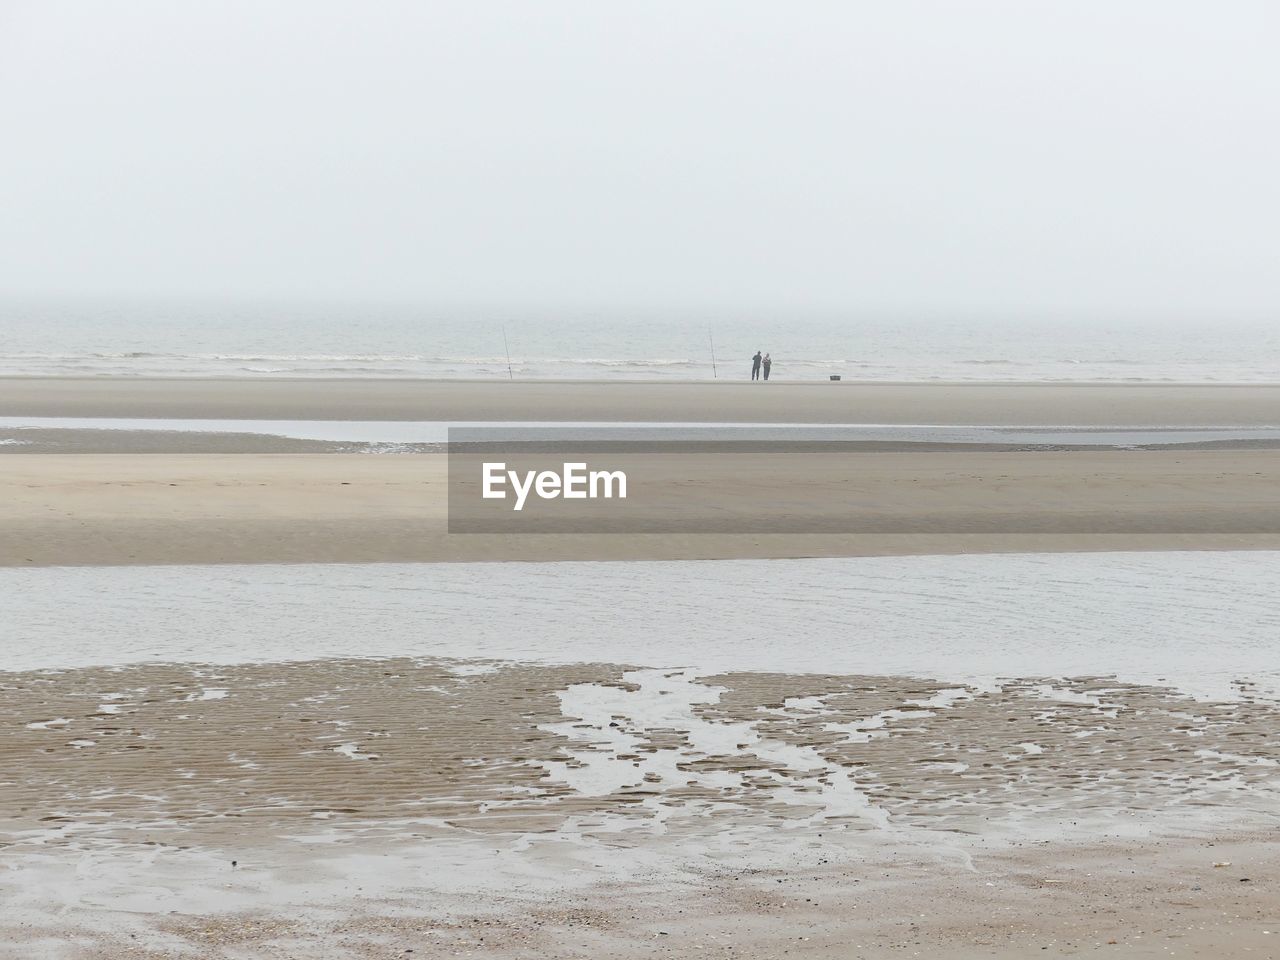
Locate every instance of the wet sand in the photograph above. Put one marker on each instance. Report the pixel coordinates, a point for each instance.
(61, 440)
(91, 753)
(726, 401)
(258, 508)
(596, 810)
(1141, 899)
(424, 808)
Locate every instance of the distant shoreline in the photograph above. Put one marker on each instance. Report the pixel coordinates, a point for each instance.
(1013, 404)
(779, 381)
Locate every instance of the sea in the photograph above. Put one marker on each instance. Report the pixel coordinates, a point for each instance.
(177, 339)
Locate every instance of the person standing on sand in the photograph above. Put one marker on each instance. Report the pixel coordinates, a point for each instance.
(766, 363)
(755, 366)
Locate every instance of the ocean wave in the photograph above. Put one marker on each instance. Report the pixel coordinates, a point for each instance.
(388, 358)
(905, 367)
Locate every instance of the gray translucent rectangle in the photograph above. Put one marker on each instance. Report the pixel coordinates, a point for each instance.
(775, 480)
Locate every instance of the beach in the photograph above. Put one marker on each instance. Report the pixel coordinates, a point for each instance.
(303, 508)
(308, 816)
(258, 700)
(265, 398)
(78, 495)
(197, 768)
(639, 481)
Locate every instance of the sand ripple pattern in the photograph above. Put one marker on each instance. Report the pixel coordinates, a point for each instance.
(179, 755)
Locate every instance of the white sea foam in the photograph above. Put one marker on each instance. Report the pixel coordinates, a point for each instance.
(1196, 620)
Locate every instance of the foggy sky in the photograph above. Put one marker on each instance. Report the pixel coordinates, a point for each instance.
(1113, 159)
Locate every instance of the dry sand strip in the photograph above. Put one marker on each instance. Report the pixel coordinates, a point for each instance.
(759, 854)
(726, 401)
(158, 509)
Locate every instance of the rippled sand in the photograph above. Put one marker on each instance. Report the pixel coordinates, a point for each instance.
(191, 753)
(467, 796)
(565, 810)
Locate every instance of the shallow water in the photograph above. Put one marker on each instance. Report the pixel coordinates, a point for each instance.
(1199, 621)
(438, 431)
(656, 773)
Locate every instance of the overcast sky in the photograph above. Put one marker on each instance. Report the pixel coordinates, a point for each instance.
(1106, 158)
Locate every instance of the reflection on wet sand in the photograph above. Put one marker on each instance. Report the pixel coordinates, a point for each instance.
(183, 754)
(339, 808)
